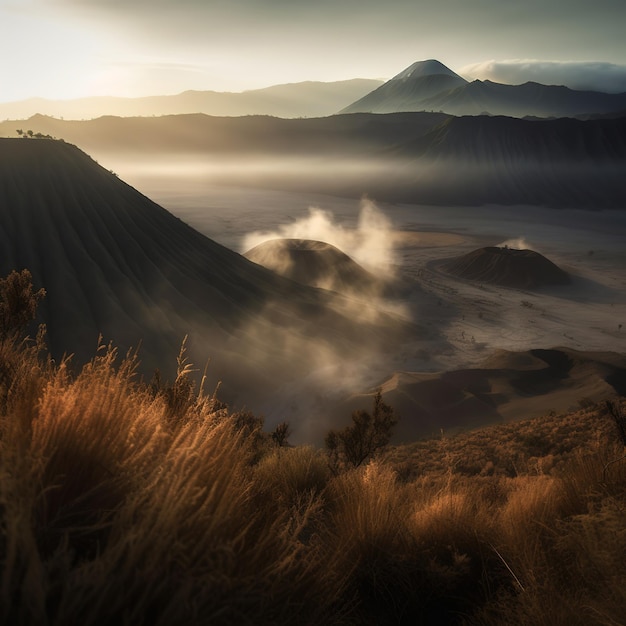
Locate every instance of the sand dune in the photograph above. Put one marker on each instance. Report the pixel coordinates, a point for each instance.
(508, 386)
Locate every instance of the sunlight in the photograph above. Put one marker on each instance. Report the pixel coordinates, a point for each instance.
(45, 57)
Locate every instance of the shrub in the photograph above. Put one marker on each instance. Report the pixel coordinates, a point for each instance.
(367, 435)
(18, 303)
(281, 434)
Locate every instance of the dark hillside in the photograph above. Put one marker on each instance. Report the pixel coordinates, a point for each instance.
(117, 264)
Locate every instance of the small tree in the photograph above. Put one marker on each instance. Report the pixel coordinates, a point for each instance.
(281, 434)
(368, 434)
(18, 303)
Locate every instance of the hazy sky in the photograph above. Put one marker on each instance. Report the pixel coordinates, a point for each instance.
(72, 48)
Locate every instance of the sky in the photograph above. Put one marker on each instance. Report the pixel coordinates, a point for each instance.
(62, 49)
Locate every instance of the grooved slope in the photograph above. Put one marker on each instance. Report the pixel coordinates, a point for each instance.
(115, 263)
(521, 269)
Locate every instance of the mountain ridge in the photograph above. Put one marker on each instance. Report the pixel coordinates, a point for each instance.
(431, 86)
(430, 158)
(303, 99)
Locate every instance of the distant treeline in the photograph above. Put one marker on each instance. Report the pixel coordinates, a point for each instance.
(29, 134)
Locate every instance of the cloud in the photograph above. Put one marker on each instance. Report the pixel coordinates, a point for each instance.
(584, 75)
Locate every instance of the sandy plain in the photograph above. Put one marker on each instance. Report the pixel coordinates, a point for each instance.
(470, 322)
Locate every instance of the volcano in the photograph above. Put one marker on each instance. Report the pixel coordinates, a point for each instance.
(431, 86)
(409, 89)
(314, 263)
(519, 269)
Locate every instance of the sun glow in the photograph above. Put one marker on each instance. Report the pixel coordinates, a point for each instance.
(46, 58)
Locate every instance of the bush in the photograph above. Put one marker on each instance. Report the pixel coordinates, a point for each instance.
(367, 435)
(18, 303)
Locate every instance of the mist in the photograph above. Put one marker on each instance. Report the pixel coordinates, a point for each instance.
(321, 374)
(334, 371)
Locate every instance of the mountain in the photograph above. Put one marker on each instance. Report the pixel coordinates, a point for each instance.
(409, 89)
(529, 99)
(349, 135)
(429, 158)
(431, 86)
(502, 160)
(115, 263)
(406, 135)
(306, 99)
(489, 140)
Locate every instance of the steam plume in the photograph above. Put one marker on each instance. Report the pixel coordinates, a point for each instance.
(369, 244)
(520, 243)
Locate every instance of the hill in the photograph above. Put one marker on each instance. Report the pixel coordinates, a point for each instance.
(519, 269)
(315, 263)
(507, 386)
(158, 504)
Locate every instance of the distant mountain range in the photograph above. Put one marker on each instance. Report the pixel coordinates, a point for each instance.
(306, 99)
(429, 158)
(431, 86)
(423, 86)
(114, 263)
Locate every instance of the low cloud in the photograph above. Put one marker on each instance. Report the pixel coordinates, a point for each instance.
(582, 75)
(370, 243)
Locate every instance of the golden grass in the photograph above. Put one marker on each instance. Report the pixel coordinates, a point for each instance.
(109, 508)
(128, 503)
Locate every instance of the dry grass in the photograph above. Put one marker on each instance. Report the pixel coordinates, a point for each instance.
(113, 510)
(128, 503)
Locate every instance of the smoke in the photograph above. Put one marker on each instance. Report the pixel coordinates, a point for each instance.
(319, 378)
(520, 243)
(370, 243)
(351, 347)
